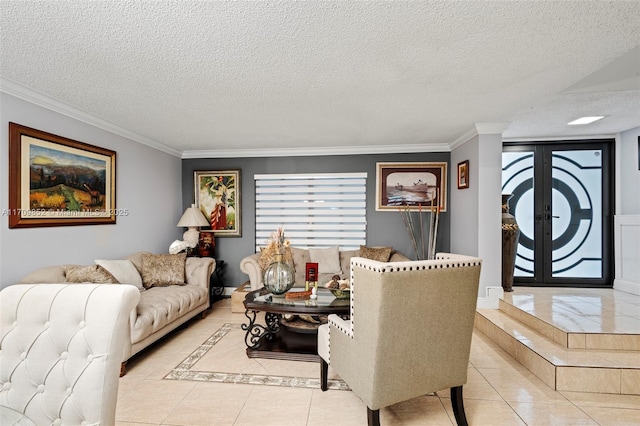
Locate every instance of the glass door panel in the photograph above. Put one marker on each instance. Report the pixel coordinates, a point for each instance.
(562, 200)
(576, 222)
(517, 179)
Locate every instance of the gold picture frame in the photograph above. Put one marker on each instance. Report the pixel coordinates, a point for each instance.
(217, 195)
(411, 185)
(56, 181)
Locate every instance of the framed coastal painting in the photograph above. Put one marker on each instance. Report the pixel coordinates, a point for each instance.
(411, 185)
(55, 181)
(217, 195)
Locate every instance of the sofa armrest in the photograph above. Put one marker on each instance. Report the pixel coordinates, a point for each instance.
(250, 265)
(198, 270)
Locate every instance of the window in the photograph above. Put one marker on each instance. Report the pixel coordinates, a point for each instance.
(316, 210)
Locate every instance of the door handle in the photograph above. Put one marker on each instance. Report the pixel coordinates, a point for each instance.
(549, 217)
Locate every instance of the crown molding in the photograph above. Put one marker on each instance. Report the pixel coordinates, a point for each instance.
(25, 93)
(315, 151)
(20, 91)
(479, 129)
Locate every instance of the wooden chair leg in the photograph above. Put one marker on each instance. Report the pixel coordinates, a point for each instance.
(373, 417)
(123, 368)
(458, 406)
(324, 372)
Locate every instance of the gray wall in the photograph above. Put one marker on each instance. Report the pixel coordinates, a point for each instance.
(148, 184)
(477, 209)
(383, 228)
(627, 173)
(465, 202)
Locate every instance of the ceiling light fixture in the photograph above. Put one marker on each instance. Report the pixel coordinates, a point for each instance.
(585, 120)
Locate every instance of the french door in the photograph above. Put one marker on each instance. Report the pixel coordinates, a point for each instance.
(563, 202)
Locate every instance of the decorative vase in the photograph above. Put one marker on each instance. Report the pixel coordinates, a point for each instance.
(279, 276)
(510, 236)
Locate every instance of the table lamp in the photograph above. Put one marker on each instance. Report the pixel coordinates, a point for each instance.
(192, 219)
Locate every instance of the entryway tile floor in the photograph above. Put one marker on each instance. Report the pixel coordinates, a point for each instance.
(499, 391)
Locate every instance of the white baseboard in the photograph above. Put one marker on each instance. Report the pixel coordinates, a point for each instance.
(492, 298)
(626, 286)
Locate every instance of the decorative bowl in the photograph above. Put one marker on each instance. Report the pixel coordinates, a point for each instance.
(341, 294)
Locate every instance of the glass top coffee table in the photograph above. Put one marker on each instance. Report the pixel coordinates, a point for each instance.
(280, 339)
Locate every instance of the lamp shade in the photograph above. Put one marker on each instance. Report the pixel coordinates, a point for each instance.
(193, 217)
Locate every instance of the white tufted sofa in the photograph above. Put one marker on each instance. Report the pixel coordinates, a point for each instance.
(60, 351)
(160, 310)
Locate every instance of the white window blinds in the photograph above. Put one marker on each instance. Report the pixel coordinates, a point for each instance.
(316, 210)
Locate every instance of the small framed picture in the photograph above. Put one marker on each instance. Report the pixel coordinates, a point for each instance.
(463, 174)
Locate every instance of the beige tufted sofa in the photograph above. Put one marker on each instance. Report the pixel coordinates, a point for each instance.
(160, 309)
(250, 265)
(60, 352)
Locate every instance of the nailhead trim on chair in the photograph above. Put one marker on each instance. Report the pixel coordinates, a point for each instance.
(442, 260)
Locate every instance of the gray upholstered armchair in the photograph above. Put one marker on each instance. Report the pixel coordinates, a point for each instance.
(409, 332)
(60, 351)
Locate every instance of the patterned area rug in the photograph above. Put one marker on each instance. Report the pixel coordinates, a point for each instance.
(228, 354)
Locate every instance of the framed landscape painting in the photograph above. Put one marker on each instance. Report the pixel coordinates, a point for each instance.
(55, 181)
(217, 195)
(413, 186)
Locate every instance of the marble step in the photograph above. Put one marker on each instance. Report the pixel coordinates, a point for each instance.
(574, 331)
(560, 367)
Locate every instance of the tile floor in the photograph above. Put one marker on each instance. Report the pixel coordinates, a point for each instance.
(499, 391)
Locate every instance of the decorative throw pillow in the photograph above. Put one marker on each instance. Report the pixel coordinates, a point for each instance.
(89, 274)
(268, 256)
(123, 270)
(161, 270)
(136, 259)
(47, 274)
(328, 260)
(381, 254)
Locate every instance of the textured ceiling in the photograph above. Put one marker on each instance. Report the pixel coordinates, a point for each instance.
(205, 76)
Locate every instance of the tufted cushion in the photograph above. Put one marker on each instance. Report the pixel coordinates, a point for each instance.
(160, 306)
(160, 270)
(61, 350)
(380, 254)
(89, 274)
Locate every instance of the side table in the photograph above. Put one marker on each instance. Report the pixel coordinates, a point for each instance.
(216, 282)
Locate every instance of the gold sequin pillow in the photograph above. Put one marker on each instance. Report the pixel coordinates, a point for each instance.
(380, 254)
(162, 270)
(89, 274)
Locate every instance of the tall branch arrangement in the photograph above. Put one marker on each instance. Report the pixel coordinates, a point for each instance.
(423, 240)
